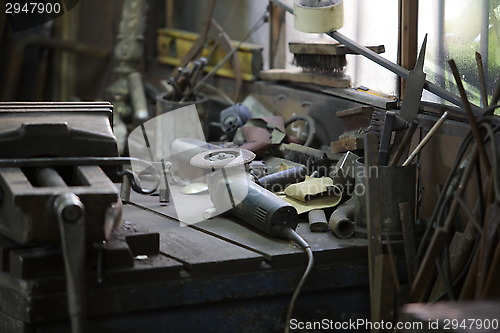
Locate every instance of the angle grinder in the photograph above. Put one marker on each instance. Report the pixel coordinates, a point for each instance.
(231, 187)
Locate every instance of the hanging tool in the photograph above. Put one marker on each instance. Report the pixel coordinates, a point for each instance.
(410, 106)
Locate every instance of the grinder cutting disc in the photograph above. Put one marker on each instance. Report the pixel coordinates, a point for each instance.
(222, 158)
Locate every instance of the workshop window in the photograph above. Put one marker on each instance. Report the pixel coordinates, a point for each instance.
(457, 30)
(369, 23)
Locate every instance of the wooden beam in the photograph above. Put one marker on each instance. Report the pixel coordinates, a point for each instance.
(408, 35)
(277, 37)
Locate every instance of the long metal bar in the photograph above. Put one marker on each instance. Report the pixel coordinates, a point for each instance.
(468, 112)
(50, 161)
(400, 71)
(482, 80)
(396, 69)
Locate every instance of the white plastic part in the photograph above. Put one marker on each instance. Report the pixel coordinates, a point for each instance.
(318, 16)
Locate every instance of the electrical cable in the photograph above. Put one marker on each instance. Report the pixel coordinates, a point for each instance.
(485, 122)
(293, 236)
(135, 183)
(443, 199)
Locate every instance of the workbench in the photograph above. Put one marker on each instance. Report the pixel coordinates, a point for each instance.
(214, 276)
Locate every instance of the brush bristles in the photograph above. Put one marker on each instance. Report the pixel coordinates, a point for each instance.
(321, 64)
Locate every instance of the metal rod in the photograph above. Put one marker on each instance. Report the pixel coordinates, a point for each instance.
(482, 80)
(396, 69)
(470, 115)
(48, 177)
(51, 161)
(428, 136)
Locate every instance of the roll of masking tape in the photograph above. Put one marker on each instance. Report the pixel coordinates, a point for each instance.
(318, 16)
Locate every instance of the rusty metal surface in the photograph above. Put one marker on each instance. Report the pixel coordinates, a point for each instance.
(345, 145)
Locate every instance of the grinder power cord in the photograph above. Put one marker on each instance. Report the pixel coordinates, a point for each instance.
(252, 203)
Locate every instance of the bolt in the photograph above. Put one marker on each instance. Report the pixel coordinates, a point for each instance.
(71, 213)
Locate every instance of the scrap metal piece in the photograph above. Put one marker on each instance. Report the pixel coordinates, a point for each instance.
(357, 121)
(341, 222)
(317, 221)
(344, 173)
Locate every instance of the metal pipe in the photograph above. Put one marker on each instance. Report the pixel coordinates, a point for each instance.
(340, 224)
(48, 177)
(317, 220)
